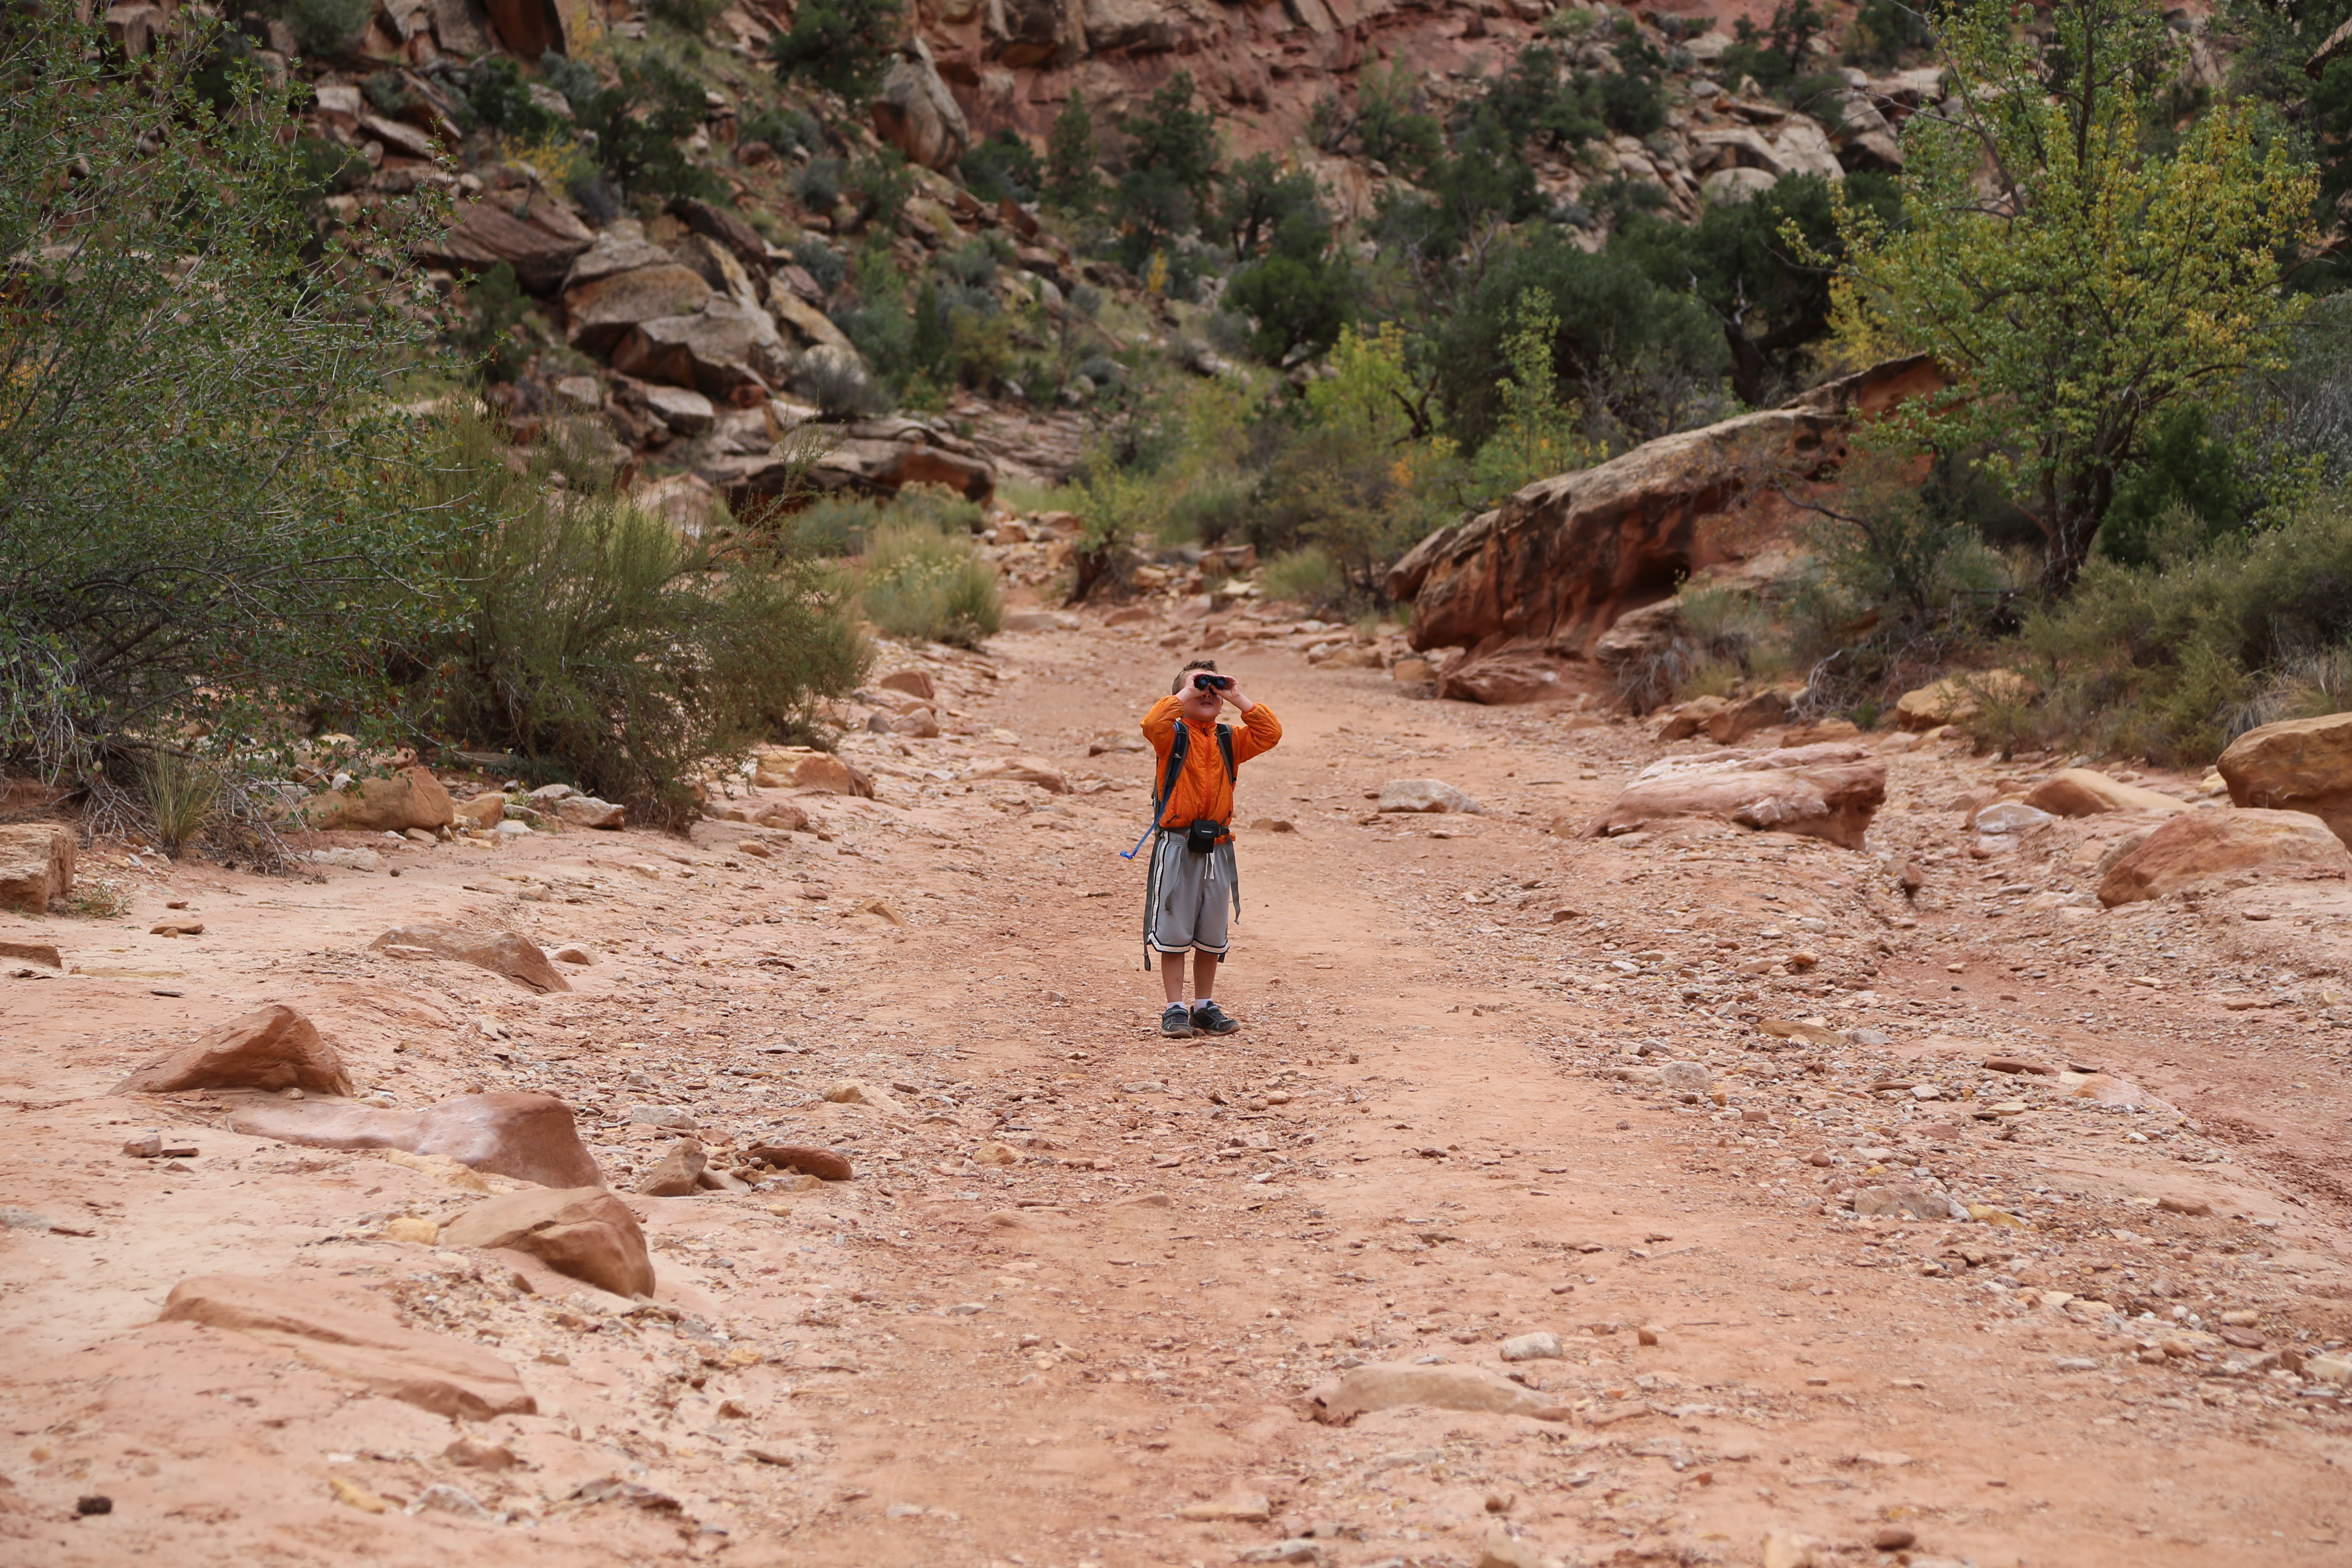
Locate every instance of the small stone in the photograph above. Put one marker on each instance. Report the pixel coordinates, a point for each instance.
(1648, 1334)
(474, 1456)
(443, 1497)
(2194, 1207)
(412, 1228)
(88, 1506)
(680, 1173)
(176, 928)
(995, 1153)
(1537, 1346)
(572, 952)
(1562, 1288)
(1684, 1079)
(1423, 795)
(148, 1146)
(966, 1309)
(1503, 1550)
(355, 1495)
(1499, 1502)
(1787, 1551)
(1242, 1507)
(2076, 1363)
(1893, 1538)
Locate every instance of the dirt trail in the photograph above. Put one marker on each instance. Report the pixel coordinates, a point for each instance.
(1440, 1127)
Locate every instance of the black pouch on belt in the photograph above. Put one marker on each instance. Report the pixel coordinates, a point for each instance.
(1201, 837)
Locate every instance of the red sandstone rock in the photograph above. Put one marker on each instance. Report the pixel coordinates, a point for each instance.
(503, 953)
(585, 1233)
(275, 1047)
(531, 1137)
(2197, 844)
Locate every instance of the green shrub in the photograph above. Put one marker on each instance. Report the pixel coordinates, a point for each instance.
(833, 525)
(938, 507)
(322, 26)
(841, 45)
(596, 637)
(920, 585)
(1004, 165)
(181, 794)
(2169, 660)
(689, 16)
(639, 125)
(203, 529)
(1307, 576)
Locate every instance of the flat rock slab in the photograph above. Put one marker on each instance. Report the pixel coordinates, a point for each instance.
(1384, 1386)
(531, 1137)
(273, 1047)
(355, 1340)
(501, 952)
(2197, 844)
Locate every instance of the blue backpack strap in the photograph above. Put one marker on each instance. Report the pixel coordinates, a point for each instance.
(1225, 745)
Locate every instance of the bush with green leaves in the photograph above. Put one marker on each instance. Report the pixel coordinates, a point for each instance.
(1172, 169)
(494, 89)
(596, 637)
(1004, 165)
(834, 525)
(821, 262)
(2172, 659)
(638, 125)
(783, 130)
(1306, 576)
(203, 522)
(918, 583)
(840, 46)
(322, 28)
(1389, 126)
(491, 333)
(1072, 183)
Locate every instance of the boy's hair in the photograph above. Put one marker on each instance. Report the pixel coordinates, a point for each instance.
(1208, 664)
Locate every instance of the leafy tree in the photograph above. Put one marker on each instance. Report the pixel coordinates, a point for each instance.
(1072, 183)
(1388, 127)
(1772, 297)
(1004, 165)
(1298, 302)
(1260, 199)
(1171, 167)
(1776, 55)
(202, 525)
(638, 124)
(1643, 359)
(2274, 43)
(1536, 434)
(841, 45)
(1484, 183)
(2099, 286)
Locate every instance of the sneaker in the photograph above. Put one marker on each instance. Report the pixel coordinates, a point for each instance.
(1208, 1018)
(1176, 1022)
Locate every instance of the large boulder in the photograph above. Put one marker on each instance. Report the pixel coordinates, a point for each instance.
(274, 1047)
(875, 457)
(1550, 571)
(540, 240)
(603, 309)
(351, 1337)
(804, 767)
(1960, 699)
(2199, 845)
(502, 953)
(531, 1137)
(411, 798)
(1828, 791)
(2298, 765)
(812, 327)
(583, 1233)
(916, 114)
(722, 350)
(740, 238)
(36, 866)
(2085, 791)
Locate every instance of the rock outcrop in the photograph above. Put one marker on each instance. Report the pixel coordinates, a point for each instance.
(1960, 699)
(584, 1233)
(917, 113)
(531, 1137)
(540, 238)
(2196, 845)
(274, 1047)
(351, 1337)
(1828, 791)
(36, 866)
(1534, 585)
(2084, 791)
(2298, 765)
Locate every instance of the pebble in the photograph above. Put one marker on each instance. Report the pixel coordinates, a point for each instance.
(1537, 1346)
(1893, 1538)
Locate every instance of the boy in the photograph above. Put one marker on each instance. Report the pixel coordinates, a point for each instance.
(1193, 888)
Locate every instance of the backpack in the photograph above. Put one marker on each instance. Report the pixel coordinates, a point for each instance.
(1178, 748)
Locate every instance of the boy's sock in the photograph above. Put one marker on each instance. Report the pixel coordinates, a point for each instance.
(1174, 1007)
(1200, 1002)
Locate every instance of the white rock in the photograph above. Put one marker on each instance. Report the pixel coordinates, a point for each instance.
(2011, 817)
(1425, 794)
(1537, 1346)
(348, 859)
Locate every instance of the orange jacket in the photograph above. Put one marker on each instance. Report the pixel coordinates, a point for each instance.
(1202, 789)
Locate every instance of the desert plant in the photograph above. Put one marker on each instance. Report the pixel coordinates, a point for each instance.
(202, 529)
(841, 45)
(182, 793)
(839, 386)
(917, 582)
(1307, 576)
(322, 27)
(597, 636)
(833, 525)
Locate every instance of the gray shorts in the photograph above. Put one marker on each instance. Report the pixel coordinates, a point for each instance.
(1192, 898)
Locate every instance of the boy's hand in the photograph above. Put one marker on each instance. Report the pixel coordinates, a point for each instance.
(1233, 694)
